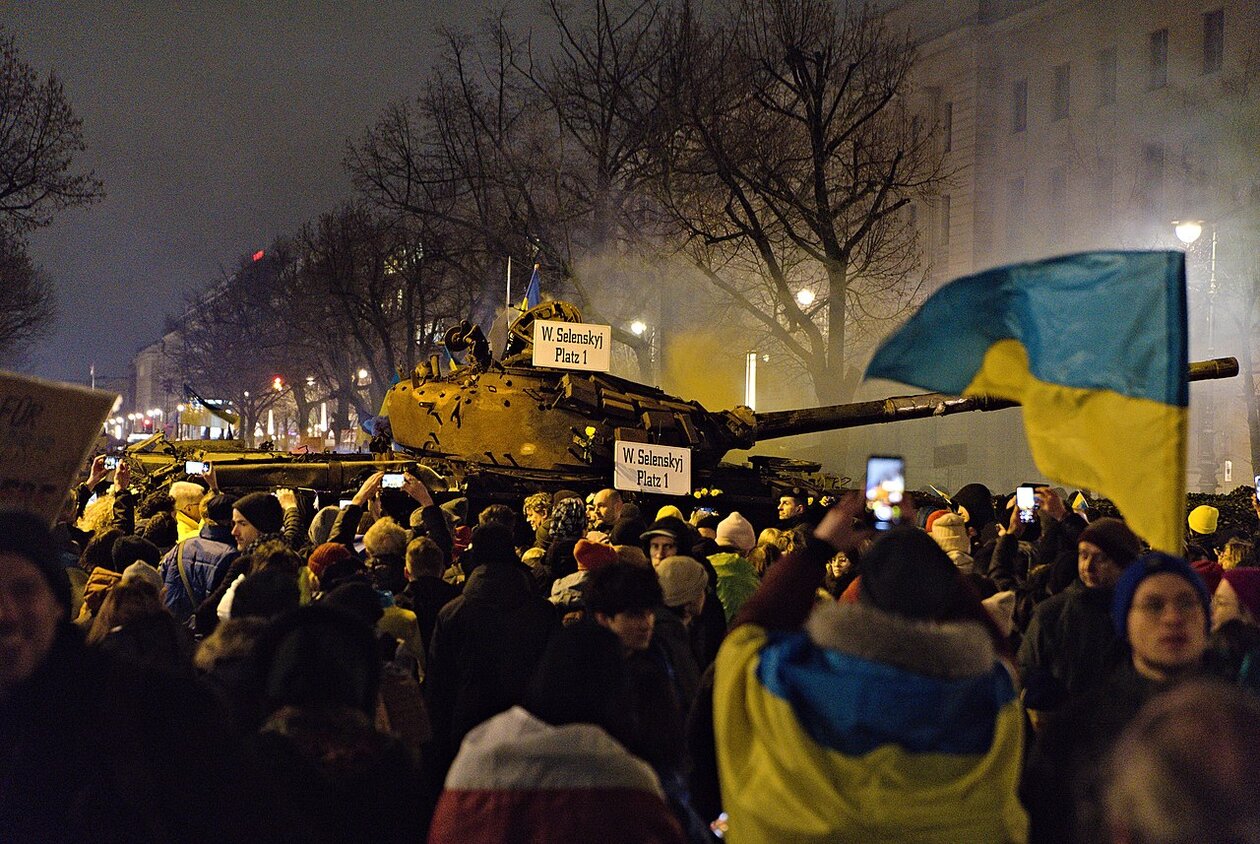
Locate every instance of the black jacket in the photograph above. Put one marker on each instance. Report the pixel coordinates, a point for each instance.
(483, 652)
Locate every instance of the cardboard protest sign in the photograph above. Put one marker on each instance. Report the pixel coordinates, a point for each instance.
(46, 431)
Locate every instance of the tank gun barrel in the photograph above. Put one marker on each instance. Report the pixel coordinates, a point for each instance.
(787, 423)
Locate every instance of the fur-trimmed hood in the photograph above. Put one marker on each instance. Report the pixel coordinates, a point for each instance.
(950, 650)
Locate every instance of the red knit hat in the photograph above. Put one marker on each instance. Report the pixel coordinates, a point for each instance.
(325, 555)
(593, 555)
(1246, 582)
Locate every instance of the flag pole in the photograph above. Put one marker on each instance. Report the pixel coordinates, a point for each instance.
(508, 300)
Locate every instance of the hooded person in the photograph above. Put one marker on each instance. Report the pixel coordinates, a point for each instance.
(905, 764)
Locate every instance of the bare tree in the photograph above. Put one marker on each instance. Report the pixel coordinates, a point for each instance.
(794, 158)
(27, 302)
(39, 137)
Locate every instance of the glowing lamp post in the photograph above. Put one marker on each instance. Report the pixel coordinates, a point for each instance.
(1189, 231)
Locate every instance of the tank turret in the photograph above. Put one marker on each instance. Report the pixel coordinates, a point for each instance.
(510, 426)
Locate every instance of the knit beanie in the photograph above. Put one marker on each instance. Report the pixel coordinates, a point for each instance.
(219, 509)
(736, 532)
(950, 532)
(1114, 538)
(683, 580)
(1210, 571)
(262, 510)
(593, 555)
(322, 525)
(325, 555)
(669, 511)
(1203, 519)
(906, 573)
(359, 599)
(140, 570)
(1153, 562)
(1246, 582)
(626, 531)
(26, 536)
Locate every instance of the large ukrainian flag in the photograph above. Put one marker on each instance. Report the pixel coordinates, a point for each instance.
(1094, 348)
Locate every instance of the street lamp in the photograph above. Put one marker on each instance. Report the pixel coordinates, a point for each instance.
(639, 328)
(1189, 231)
(804, 297)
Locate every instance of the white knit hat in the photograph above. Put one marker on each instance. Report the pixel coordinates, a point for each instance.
(736, 532)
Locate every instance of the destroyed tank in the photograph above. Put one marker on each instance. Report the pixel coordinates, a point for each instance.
(501, 428)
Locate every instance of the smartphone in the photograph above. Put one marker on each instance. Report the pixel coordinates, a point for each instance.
(392, 480)
(885, 489)
(1026, 503)
(196, 467)
(111, 462)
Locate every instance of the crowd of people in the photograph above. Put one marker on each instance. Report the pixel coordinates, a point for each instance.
(190, 665)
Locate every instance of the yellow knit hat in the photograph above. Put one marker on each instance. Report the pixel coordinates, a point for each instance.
(1203, 519)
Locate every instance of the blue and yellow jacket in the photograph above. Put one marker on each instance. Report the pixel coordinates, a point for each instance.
(863, 726)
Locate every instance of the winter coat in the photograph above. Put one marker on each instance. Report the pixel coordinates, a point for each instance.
(99, 582)
(518, 778)
(484, 649)
(1070, 646)
(862, 726)
(90, 749)
(206, 558)
(426, 596)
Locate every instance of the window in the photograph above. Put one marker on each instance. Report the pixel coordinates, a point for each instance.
(1213, 40)
(947, 126)
(1015, 212)
(943, 239)
(1107, 76)
(1062, 91)
(1151, 178)
(1158, 77)
(1019, 105)
(1059, 212)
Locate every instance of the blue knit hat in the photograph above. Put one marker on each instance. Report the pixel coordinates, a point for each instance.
(1153, 562)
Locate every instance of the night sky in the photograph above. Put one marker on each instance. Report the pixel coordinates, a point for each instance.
(214, 129)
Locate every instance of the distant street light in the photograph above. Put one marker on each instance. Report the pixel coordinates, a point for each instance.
(805, 297)
(1188, 231)
(638, 327)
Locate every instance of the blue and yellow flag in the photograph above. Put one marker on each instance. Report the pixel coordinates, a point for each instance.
(533, 293)
(1094, 348)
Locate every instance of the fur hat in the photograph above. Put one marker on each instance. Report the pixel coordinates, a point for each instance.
(1246, 582)
(592, 555)
(683, 580)
(1204, 519)
(736, 532)
(262, 510)
(950, 532)
(1151, 563)
(26, 536)
(1114, 538)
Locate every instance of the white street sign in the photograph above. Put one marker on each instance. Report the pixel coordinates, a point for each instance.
(572, 345)
(642, 467)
